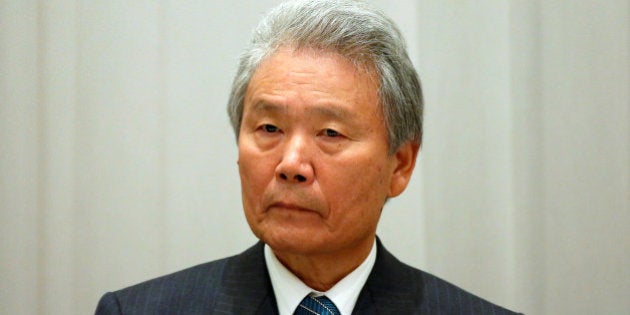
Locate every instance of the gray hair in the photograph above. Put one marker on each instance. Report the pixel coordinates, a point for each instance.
(360, 33)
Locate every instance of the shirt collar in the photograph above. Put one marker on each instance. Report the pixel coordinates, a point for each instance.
(289, 290)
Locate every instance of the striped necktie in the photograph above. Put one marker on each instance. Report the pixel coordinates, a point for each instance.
(320, 305)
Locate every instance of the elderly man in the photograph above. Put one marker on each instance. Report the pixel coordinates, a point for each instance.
(327, 111)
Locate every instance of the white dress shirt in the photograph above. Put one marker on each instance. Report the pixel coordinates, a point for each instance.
(290, 290)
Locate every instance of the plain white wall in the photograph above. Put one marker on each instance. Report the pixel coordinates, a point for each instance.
(118, 164)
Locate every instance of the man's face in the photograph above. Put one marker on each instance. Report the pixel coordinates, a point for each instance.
(313, 154)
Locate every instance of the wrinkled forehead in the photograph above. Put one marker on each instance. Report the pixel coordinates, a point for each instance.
(326, 70)
(318, 83)
(361, 61)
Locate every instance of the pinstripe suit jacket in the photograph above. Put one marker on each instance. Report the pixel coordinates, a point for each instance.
(241, 285)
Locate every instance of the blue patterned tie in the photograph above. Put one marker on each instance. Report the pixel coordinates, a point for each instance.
(319, 305)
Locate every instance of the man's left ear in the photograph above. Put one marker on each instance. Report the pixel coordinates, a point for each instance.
(405, 159)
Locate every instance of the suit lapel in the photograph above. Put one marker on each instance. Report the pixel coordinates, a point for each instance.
(391, 288)
(246, 287)
(365, 303)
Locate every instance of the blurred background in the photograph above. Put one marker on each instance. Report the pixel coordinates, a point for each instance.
(117, 162)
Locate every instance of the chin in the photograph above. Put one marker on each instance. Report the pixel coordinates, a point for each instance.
(297, 243)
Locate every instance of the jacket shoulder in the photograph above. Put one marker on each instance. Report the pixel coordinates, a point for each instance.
(396, 287)
(189, 291)
(444, 297)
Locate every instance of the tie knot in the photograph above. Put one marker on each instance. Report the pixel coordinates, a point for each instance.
(320, 305)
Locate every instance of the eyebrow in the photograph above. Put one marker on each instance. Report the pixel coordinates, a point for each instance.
(262, 106)
(325, 110)
(331, 111)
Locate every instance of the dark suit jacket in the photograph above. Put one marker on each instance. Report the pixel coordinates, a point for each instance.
(241, 285)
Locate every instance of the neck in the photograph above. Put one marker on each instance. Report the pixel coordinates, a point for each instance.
(322, 271)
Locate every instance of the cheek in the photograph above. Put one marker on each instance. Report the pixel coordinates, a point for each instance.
(256, 173)
(359, 182)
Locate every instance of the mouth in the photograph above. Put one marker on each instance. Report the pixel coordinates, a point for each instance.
(288, 207)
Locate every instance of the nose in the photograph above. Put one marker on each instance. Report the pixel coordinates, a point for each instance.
(296, 164)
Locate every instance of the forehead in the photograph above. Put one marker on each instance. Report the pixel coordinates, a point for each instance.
(312, 75)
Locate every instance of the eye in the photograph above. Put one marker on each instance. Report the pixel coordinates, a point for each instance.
(331, 133)
(269, 128)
